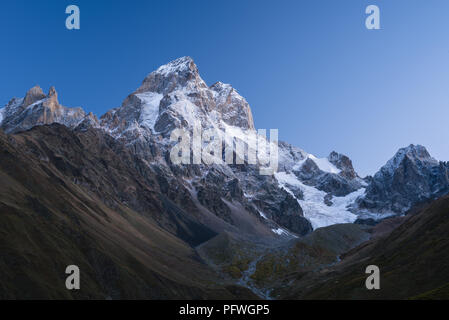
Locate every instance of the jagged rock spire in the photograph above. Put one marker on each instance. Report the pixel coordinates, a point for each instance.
(44, 109)
(410, 177)
(33, 95)
(52, 92)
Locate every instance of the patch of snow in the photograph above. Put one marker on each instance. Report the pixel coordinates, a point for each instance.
(324, 164)
(314, 208)
(261, 144)
(363, 183)
(222, 92)
(375, 215)
(31, 106)
(299, 164)
(279, 231)
(150, 108)
(263, 215)
(178, 65)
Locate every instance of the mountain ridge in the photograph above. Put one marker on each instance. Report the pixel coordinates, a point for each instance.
(175, 96)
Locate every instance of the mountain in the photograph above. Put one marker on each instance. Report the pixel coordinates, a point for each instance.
(109, 191)
(173, 97)
(412, 176)
(318, 192)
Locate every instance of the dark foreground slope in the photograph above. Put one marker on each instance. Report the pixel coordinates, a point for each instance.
(69, 197)
(413, 261)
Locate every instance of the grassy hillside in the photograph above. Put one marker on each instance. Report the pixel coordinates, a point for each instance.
(413, 261)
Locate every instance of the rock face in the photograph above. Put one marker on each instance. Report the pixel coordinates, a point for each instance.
(232, 107)
(33, 95)
(38, 109)
(175, 96)
(410, 177)
(343, 163)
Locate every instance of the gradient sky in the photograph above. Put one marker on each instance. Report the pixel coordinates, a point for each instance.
(307, 67)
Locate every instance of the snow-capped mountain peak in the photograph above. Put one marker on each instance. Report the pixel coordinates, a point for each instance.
(180, 65)
(181, 73)
(343, 163)
(410, 177)
(413, 153)
(176, 96)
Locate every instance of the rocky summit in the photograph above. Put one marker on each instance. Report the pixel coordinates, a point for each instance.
(412, 176)
(38, 109)
(108, 191)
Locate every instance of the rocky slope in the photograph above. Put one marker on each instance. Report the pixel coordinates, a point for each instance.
(410, 177)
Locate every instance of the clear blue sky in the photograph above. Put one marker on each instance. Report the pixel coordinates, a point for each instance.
(307, 67)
